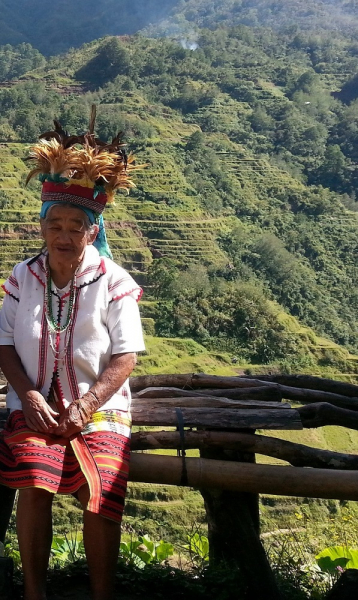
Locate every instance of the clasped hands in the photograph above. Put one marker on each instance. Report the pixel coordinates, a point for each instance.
(41, 417)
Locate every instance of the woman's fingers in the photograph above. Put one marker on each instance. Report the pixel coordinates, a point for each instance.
(52, 412)
(49, 420)
(40, 421)
(67, 428)
(64, 431)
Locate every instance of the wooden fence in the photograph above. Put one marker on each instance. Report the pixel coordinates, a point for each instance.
(219, 416)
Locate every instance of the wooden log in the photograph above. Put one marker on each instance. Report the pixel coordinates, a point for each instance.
(297, 455)
(203, 402)
(265, 393)
(144, 381)
(311, 382)
(192, 381)
(260, 393)
(322, 413)
(296, 394)
(206, 382)
(235, 516)
(242, 477)
(219, 419)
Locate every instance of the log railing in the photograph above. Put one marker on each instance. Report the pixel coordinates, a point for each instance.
(219, 416)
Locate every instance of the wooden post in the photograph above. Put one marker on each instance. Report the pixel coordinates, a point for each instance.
(234, 530)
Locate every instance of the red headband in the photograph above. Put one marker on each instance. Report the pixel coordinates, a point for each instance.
(74, 194)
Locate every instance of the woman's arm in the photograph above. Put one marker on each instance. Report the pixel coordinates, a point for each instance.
(38, 414)
(75, 417)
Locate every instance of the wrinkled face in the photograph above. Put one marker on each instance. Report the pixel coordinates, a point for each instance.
(67, 233)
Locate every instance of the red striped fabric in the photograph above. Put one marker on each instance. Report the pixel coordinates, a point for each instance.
(33, 459)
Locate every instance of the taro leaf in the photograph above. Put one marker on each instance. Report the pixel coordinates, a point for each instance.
(337, 556)
(327, 565)
(163, 551)
(146, 541)
(146, 557)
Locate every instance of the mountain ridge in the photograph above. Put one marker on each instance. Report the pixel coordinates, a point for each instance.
(54, 28)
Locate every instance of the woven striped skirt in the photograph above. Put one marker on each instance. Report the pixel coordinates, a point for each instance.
(99, 457)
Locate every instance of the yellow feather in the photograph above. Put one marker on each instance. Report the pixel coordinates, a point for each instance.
(83, 165)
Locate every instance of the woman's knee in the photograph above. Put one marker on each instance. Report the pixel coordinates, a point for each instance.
(38, 496)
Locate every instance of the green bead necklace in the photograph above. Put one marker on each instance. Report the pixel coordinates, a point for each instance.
(51, 321)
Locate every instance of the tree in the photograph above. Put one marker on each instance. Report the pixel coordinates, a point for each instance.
(112, 59)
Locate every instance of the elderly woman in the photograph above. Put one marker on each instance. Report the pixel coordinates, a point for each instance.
(69, 333)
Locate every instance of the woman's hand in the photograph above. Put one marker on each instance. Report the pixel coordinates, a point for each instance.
(72, 421)
(39, 416)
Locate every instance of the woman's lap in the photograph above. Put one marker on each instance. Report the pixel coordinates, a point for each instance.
(33, 459)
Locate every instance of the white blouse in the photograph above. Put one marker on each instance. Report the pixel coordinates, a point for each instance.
(105, 321)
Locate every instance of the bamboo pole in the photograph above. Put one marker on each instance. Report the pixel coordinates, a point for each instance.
(242, 477)
(297, 455)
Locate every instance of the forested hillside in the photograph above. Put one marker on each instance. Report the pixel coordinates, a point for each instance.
(243, 227)
(339, 15)
(57, 26)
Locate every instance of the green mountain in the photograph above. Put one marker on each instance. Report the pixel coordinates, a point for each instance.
(57, 26)
(243, 228)
(54, 27)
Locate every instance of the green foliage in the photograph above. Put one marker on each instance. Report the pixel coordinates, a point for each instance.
(15, 61)
(143, 551)
(335, 558)
(198, 549)
(66, 549)
(237, 317)
(112, 59)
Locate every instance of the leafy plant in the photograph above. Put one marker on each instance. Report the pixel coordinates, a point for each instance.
(143, 551)
(67, 549)
(198, 549)
(335, 559)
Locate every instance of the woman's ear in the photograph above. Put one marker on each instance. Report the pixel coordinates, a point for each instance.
(93, 234)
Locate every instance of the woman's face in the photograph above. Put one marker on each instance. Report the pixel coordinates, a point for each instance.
(66, 234)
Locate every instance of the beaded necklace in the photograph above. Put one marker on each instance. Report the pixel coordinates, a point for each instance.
(53, 324)
(54, 327)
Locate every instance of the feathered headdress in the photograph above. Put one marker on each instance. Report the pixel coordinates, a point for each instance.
(81, 169)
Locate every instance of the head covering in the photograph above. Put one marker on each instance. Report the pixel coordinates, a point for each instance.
(81, 170)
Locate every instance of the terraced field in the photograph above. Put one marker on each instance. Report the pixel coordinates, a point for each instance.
(137, 229)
